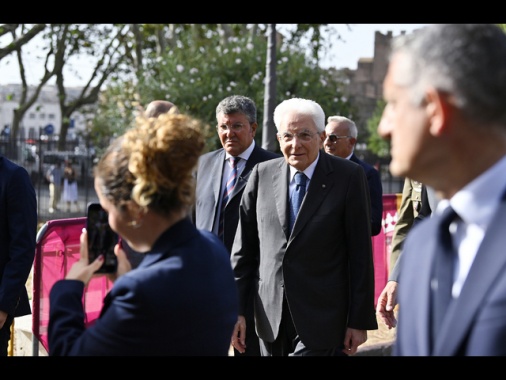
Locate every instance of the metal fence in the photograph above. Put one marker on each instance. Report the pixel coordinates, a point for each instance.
(37, 155)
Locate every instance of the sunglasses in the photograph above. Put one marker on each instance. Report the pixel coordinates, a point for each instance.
(334, 138)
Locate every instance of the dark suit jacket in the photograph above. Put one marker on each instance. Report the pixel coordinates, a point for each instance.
(209, 191)
(376, 194)
(18, 231)
(475, 323)
(324, 267)
(180, 300)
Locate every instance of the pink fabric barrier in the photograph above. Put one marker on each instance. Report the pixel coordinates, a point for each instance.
(56, 250)
(381, 244)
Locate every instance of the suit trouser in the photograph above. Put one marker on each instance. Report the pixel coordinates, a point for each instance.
(288, 342)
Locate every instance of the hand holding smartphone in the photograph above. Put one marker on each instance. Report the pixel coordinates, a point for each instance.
(101, 238)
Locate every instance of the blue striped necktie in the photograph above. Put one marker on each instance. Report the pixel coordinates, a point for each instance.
(297, 196)
(229, 186)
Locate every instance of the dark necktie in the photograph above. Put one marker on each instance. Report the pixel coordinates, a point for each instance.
(229, 186)
(443, 271)
(297, 197)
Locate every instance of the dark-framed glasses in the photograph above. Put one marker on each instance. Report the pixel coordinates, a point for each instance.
(333, 138)
(237, 127)
(303, 136)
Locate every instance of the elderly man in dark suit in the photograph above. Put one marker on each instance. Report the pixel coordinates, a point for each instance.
(340, 140)
(18, 230)
(314, 284)
(236, 116)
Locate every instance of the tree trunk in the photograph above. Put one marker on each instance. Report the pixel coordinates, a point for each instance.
(269, 141)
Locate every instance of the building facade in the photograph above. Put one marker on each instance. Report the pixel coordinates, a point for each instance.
(365, 87)
(43, 116)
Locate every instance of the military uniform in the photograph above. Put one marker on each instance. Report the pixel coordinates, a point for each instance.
(411, 204)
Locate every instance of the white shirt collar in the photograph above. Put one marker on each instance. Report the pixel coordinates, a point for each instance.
(478, 200)
(308, 172)
(244, 155)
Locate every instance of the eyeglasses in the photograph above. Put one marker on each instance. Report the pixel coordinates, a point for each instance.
(334, 138)
(304, 136)
(234, 127)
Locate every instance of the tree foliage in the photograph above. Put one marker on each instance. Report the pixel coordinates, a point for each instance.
(192, 65)
(375, 143)
(205, 64)
(107, 42)
(27, 34)
(20, 36)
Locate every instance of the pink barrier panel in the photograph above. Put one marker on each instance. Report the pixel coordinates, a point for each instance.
(381, 244)
(56, 250)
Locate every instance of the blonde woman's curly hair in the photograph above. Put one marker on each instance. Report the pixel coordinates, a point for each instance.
(152, 164)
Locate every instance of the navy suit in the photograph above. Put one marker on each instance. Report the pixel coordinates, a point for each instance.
(376, 194)
(18, 230)
(475, 323)
(208, 194)
(324, 267)
(180, 300)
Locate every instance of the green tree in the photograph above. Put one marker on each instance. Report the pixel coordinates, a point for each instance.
(375, 143)
(27, 98)
(204, 66)
(27, 33)
(268, 127)
(105, 41)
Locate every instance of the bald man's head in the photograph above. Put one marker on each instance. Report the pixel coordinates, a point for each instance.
(157, 107)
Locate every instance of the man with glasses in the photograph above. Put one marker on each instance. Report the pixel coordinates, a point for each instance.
(216, 208)
(313, 283)
(341, 138)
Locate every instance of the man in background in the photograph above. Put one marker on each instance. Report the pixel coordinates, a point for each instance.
(341, 138)
(55, 177)
(154, 109)
(157, 107)
(416, 205)
(18, 229)
(236, 118)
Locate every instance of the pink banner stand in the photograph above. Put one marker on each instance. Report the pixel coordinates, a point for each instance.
(56, 250)
(381, 244)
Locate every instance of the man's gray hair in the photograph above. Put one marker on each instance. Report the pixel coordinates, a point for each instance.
(302, 106)
(466, 61)
(352, 127)
(238, 103)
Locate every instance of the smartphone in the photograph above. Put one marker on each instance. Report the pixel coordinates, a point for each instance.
(101, 238)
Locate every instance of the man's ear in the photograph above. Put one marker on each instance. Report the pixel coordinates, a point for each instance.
(439, 110)
(323, 136)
